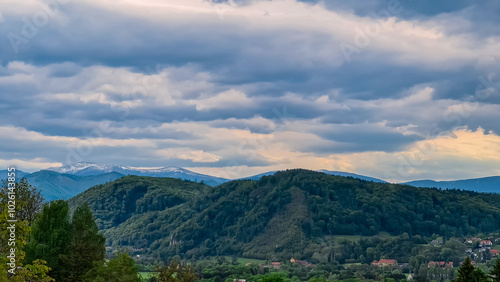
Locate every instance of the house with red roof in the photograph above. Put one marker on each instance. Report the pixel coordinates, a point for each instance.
(485, 243)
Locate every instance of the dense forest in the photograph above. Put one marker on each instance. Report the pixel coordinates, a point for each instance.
(297, 213)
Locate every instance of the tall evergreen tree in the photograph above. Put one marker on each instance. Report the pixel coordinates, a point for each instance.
(479, 276)
(495, 273)
(465, 271)
(50, 237)
(86, 245)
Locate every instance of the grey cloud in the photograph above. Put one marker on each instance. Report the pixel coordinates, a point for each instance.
(362, 138)
(266, 65)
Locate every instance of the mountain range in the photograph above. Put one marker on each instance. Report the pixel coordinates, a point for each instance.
(485, 184)
(293, 213)
(67, 181)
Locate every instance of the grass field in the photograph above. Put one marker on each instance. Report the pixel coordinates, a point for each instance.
(239, 259)
(346, 265)
(146, 275)
(246, 260)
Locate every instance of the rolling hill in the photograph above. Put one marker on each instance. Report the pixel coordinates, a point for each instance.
(338, 173)
(285, 214)
(348, 174)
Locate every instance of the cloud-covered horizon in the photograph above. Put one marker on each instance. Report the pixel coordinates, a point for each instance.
(398, 90)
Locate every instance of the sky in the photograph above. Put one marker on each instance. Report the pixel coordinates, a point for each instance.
(398, 90)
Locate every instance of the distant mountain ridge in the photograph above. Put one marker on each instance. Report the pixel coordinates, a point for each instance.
(483, 185)
(87, 168)
(67, 181)
(55, 185)
(338, 173)
(19, 174)
(70, 180)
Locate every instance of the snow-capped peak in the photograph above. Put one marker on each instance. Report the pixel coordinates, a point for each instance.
(79, 167)
(88, 169)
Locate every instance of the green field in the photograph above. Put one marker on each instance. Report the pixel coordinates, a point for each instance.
(146, 275)
(239, 260)
(246, 260)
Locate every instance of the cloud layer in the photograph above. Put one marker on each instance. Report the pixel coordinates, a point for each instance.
(235, 88)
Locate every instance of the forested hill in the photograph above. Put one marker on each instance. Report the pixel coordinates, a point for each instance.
(286, 214)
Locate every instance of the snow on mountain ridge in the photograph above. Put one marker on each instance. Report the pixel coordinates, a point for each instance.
(105, 168)
(73, 168)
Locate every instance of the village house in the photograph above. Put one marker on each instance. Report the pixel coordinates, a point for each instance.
(485, 243)
(494, 253)
(276, 265)
(385, 262)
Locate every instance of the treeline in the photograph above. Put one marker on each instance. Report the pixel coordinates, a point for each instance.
(220, 269)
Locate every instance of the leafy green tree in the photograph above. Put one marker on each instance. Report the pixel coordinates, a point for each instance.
(86, 245)
(273, 278)
(176, 272)
(29, 200)
(466, 271)
(17, 240)
(35, 272)
(50, 237)
(28, 203)
(122, 268)
(495, 273)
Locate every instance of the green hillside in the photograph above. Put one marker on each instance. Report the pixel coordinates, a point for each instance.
(292, 213)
